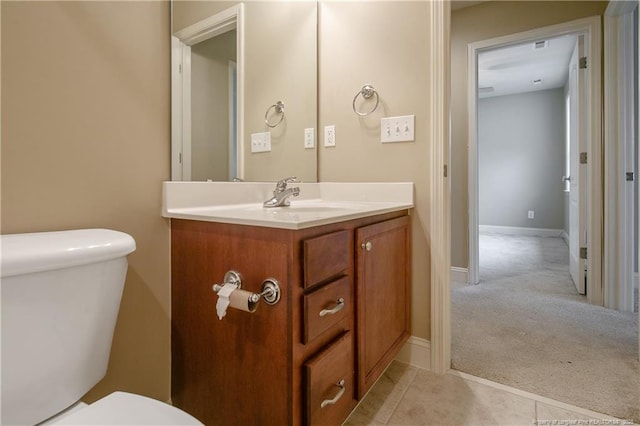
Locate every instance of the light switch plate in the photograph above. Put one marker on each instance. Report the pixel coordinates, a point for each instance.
(309, 138)
(397, 129)
(261, 142)
(330, 136)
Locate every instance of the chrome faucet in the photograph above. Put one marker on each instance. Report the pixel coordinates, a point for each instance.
(281, 194)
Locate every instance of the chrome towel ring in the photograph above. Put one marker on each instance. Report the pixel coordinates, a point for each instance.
(278, 107)
(367, 92)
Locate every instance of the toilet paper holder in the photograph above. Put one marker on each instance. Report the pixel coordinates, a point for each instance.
(270, 291)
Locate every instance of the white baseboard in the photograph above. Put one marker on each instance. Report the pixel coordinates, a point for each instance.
(416, 352)
(459, 275)
(565, 237)
(515, 230)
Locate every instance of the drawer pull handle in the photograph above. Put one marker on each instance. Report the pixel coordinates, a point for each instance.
(367, 246)
(337, 308)
(335, 399)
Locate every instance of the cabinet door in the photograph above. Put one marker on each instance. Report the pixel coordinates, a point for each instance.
(382, 296)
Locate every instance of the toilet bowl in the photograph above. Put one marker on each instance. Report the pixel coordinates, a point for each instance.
(60, 295)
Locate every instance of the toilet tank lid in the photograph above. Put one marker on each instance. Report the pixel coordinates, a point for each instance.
(42, 251)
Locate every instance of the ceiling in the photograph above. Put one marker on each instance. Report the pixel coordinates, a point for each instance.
(513, 69)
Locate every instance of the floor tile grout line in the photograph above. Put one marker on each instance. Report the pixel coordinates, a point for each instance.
(532, 396)
(404, 392)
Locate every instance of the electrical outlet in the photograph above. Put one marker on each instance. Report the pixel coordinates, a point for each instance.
(397, 129)
(309, 138)
(261, 142)
(530, 214)
(330, 135)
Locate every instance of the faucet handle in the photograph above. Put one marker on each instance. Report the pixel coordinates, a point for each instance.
(282, 184)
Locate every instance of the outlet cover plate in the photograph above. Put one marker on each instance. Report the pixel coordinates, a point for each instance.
(309, 138)
(330, 136)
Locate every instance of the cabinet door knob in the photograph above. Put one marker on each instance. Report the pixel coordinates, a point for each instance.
(367, 246)
(335, 399)
(339, 306)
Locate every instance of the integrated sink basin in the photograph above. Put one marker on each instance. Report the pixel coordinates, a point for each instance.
(212, 202)
(319, 206)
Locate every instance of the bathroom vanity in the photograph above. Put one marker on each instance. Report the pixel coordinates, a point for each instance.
(342, 316)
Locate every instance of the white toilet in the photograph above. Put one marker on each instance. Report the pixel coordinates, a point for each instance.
(60, 298)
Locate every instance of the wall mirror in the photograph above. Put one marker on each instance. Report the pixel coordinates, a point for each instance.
(244, 83)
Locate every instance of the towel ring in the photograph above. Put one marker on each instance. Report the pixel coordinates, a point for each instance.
(279, 109)
(367, 91)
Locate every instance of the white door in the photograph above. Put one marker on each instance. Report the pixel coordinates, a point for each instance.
(577, 187)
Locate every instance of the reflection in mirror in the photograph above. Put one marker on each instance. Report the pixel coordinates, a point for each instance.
(213, 109)
(206, 62)
(231, 62)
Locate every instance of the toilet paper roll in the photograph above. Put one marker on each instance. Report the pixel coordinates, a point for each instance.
(241, 299)
(230, 295)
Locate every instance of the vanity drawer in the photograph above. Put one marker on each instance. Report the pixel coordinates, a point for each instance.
(326, 307)
(325, 257)
(329, 383)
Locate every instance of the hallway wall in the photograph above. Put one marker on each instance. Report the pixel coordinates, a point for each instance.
(521, 158)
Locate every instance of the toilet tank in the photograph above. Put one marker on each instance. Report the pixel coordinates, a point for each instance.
(60, 295)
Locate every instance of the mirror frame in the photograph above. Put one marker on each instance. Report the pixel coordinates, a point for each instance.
(181, 42)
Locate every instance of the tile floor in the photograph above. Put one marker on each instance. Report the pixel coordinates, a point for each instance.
(409, 396)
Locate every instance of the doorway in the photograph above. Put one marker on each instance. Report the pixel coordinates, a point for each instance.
(589, 30)
(528, 151)
(213, 96)
(537, 316)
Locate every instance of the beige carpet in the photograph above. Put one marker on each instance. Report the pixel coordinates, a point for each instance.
(525, 326)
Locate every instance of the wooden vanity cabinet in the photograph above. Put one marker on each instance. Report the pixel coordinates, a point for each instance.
(383, 295)
(306, 359)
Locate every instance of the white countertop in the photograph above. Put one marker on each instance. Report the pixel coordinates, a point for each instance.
(318, 203)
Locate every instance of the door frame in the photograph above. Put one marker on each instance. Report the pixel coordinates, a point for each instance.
(440, 184)
(590, 27)
(618, 278)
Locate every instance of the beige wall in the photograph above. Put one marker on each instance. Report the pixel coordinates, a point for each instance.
(482, 22)
(188, 12)
(383, 44)
(85, 143)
